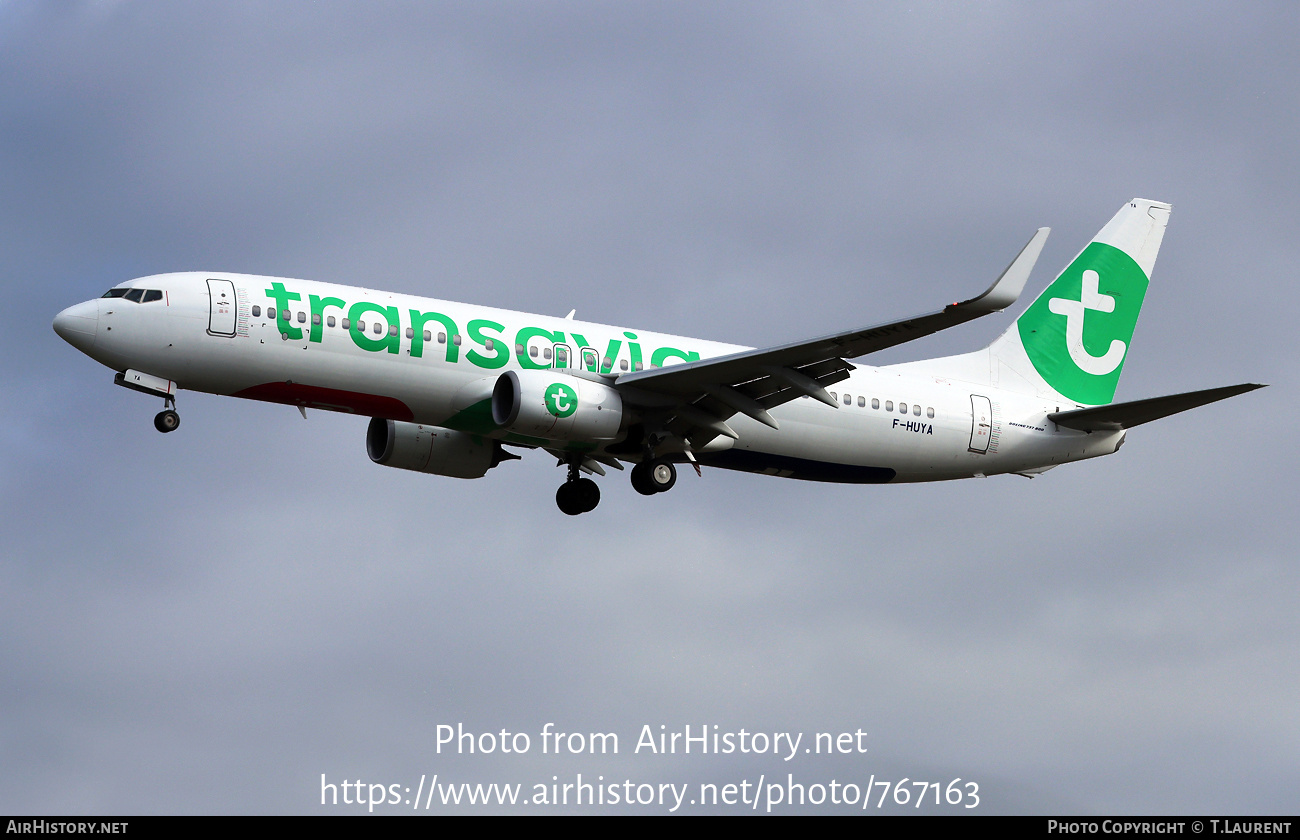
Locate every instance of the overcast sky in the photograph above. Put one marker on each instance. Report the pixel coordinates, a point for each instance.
(211, 620)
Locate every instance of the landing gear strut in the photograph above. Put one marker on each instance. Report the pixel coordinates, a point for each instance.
(577, 495)
(650, 477)
(167, 420)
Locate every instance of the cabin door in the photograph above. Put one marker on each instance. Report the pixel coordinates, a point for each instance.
(981, 423)
(221, 307)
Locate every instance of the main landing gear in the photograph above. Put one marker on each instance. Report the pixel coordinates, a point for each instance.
(167, 420)
(650, 477)
(577, 495)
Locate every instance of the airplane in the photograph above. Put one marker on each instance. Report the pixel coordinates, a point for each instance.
(454, 389)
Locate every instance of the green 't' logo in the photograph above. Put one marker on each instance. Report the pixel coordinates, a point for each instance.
(1078, 332)
(561, 400)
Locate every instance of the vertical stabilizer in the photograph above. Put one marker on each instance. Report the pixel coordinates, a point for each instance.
(1073, 340)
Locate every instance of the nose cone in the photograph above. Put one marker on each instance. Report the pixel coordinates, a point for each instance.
(78, 325)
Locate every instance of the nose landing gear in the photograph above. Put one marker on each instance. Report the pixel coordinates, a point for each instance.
(167, 420)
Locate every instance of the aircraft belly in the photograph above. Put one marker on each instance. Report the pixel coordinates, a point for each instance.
(805, 469)
(818, 443)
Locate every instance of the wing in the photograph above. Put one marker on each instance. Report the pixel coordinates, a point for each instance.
(694, 399)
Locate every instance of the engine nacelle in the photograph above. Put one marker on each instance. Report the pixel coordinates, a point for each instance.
(431, 449)
(555, 406)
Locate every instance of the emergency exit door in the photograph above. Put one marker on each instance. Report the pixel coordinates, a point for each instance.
(981, 423)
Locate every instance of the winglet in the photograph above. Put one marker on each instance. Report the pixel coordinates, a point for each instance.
(1007, 288)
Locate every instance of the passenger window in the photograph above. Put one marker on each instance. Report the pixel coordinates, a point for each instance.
(257, 311)
(315, 320)
(152, 295)
(134, 295)
(347, 324)
(329, 322)
(640, 366)
(834, 395)
(488, 344)
(284, 314)
(889, 405)
(270, 312)
(848, 399)
(862, 402)
(875, 403)
(455, 339)
(302, 317)
(902, 408)
(929, 412)
(916, 410)
(379, 328)
(532, 351)
(392, 331)
(546, 353)
(519, 349)
(361, 326)
(622, 364)
(606, 362)
(442, 338)
(428, 336)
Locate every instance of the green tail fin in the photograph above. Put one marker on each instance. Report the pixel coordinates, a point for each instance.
(1075, 337)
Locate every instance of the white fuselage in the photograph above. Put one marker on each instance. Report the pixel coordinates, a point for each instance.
(432, 362)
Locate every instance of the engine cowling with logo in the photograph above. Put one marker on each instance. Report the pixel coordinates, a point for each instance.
(431, 449)
(556, 406)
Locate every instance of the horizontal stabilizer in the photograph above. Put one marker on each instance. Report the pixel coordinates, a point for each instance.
(1126, 415)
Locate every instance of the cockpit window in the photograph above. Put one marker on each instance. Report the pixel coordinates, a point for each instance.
(135, 295)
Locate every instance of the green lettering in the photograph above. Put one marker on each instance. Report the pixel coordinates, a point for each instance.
(419, 319)
(318, 305)
(611, 353)
(501, 353)
(527, 334)
(582, 359)
(665, 353)
(389, 342)
(634, 350)
(282, 298)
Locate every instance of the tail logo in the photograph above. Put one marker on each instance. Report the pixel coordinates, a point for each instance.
(1078, 333)
(1074, 310)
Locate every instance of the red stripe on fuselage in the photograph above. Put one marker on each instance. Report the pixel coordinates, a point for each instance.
(329, 399)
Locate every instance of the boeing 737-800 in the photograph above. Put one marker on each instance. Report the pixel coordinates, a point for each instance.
(452, 389)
